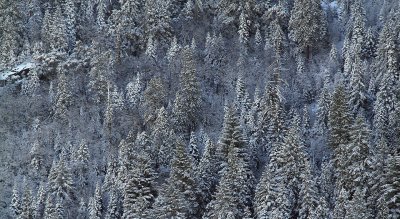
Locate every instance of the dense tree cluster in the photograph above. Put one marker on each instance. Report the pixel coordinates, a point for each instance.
(200, 109)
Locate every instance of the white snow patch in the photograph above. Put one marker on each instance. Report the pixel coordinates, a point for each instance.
(25, 65)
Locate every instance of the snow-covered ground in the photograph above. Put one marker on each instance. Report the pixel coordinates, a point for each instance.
(4, 75)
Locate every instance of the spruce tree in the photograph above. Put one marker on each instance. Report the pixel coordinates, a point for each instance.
(356, 155)
(139, 190)
(392, 186)
(112, 209)
(15, 206)
(234, 192)
(307, 25)
(187, 110)
(193, 149)
(95, 203)
(179, 196)
(339, 128)
(61, 185)
(207, 172)
(357, 207)
(340, 204)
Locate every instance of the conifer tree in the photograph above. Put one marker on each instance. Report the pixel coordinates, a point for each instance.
(340, 204)
(207, 172)
(15, 206)
(154, 98)
(194, 149)
(50, 207)
(158, 20)
(187, 102)
(308, 196)
(134, 92)
(39, 205)
(82, 164)
(58, 31)
(161, 139)
(82, 211)
(358, 90)
(112, 209)
(339, 127)
(139, 190)
(95, 203)
(392, 186)
(322, 210)
(27, 203)
(179, 196)
(307, 25)
(63, 98)
(357, 207)
(356, 154)
(70, 23)
(60, 181)
(11, 28)
(236, 175)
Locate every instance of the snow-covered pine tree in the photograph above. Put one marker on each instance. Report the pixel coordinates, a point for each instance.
(179, 196)
(193, 149)
(50, 208)
(392, 186)
(134, 92)
(158, 20)
(339, 128)
(61, 185)
(63, 98)
(113, 203)
(161, 139)
(356, 154)
(70, 23)
(187, 110)
(81, 159)
(154, 98)
(58, 31)
(322, 210)
(95, 203)
(15, 206)
(207, 172)
(340, 204)
(27, 202)
(308, 201)
(82, 211)
(236, 173)
(357, 87)
(357, 207)
(39, 201)
(11, 28)
(139, 190)
(307, 25)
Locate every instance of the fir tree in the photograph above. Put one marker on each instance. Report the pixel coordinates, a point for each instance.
(112, 209)
(234, 192)
(95, 203)
(339, 127)
(39, 202)
(358, 90)
(194, 149)
(307, 25)
(340, 204)
(187, 102)
(139, 190)
(392, 186)
(179, 196)
(15, 206)
(27, 203)
(60, 181)
(357, 207)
